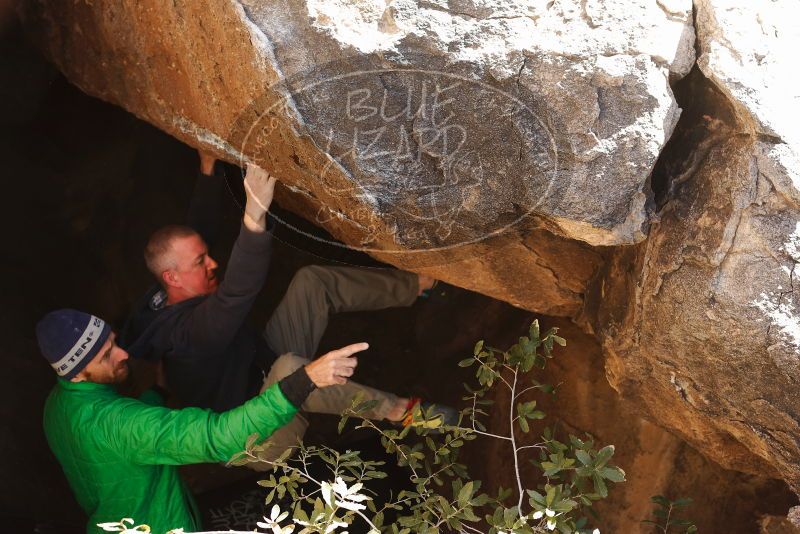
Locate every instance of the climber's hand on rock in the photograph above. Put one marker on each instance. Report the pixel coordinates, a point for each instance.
(207, 161)
(335, 367)
(260, 187)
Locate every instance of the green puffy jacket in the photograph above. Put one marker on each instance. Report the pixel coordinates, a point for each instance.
(119, 453)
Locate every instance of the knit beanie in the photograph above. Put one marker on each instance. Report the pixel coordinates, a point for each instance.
(69, 339)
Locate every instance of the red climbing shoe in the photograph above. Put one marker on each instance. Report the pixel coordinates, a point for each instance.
(428, 415)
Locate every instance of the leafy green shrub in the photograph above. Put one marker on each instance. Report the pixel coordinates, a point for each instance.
(666, 518)
(574, 474)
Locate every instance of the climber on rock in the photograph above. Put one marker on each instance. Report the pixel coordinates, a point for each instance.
(198, 325)
(119, 454)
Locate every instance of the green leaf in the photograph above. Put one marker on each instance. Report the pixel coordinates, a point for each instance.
(497, 518)
(599, 485)
(469, 515)
(536, 496)
(478, 348)
(503, 493)
(583, 457)
(565, 506)
(465, 494)
(614, 474)
(605, 454)
(342, 422)
(550, 468)
(523, 424)
(515, 355)
(480, 500)
(534, 329)
(366, 405)
(509, 515)
(551, 494)
(251, 440)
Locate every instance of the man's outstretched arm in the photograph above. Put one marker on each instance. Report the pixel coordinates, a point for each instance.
(214, 322)
(148, 434)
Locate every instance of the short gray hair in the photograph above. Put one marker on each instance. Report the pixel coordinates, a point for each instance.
(157, 252)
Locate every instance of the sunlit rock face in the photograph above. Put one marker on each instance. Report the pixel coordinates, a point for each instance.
(437, 136)
(452, 120)
(704, 331)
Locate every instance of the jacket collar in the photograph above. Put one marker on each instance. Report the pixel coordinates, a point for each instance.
(84, 386)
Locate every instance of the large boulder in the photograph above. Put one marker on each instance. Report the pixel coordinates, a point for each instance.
(509, 147)
(438, 136)
(699, 322)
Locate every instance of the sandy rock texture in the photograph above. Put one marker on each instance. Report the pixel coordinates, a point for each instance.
(699, 322)
(782, 525)
(438, 136)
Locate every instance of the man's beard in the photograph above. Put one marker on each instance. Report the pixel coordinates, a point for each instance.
(122, 374)
(119, 375)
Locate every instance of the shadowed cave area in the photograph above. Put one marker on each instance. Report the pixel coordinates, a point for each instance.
(86, 183)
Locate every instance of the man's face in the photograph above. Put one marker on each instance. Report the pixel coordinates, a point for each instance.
(109, 365)
(195, 271)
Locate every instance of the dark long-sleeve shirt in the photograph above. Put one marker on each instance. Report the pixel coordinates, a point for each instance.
(213, 357)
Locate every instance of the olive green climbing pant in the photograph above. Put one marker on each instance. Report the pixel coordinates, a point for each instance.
(298, 323)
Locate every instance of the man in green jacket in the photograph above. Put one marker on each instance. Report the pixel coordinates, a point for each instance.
(119, 454)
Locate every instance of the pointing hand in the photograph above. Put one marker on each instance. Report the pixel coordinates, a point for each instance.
(335, 367)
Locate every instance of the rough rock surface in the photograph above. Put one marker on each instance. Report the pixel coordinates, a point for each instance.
(419, 131)
(782, 525)
(699, 322)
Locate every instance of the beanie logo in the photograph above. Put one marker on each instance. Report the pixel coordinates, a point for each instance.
(81, 348)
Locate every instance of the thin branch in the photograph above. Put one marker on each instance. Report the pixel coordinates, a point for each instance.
(453, 514)
(480, 432)
(538, 446)
(489, 435)
(521, 393)
(499, 375)
(514, 442)
(396, 446)
(304, 472)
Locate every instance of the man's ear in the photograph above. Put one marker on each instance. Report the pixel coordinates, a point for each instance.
(80, 377)
(169, 278)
